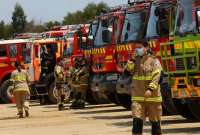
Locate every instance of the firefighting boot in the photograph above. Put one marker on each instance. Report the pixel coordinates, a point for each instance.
(20, 115)
(60, 107)
(137, 126)
(27, 113)
(156, 128)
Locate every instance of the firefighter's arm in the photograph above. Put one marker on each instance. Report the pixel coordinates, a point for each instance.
(27, 78)
(156, 73)
(12, 82)
(130, 66)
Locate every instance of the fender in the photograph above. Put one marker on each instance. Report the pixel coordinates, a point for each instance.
(4, 75)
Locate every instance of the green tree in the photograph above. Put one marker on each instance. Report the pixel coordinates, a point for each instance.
(18, 19)
(8, 31)
(2, 29)
(49, 25)
(33, 27)
(88, 13)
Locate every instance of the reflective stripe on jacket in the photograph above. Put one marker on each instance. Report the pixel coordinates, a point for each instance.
(59, 74)
(20, 80)
(146, 76)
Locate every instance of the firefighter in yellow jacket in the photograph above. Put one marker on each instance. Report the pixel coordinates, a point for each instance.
(20, 80)
(146, 95)
(60, 81)
(81, 76)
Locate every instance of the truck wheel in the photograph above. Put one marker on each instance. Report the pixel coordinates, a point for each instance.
(167, 104)
(194, 106)
(52, 93)
(183, 109)
(100, 98)
(113, 98)
(90, 99)
(5, 92)
(125, 100)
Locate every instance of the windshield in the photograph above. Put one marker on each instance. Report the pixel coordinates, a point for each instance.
(198, 17)
(159, 20)
(186, 17)
(104, 31)
(134, 24)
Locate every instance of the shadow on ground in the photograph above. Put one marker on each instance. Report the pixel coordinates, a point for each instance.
(9, 118)
(101, 111)
(189, 130)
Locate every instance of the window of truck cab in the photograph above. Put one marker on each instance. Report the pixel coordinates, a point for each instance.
(134, 25)
(186, 17)
(3, 51)
(25, 51)
(104, 32)
(198, 18)
(13, 50)
(159, 24)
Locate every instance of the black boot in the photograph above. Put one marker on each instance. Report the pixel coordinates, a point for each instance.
(156, 128)
(20, 115)
(137, 126)
(26, 113)
(60, 107)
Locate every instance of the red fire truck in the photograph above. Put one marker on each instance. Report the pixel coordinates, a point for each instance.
(101, 42)
(28, 52)
(21, 50)
(149, 21)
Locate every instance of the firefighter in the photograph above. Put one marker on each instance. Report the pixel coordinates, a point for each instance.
(81, 81)
(60, 81)
(20, 80)
(48, 61)
(146, 96)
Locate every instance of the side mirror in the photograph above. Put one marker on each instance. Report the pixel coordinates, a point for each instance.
(91, 37)
(106, 36)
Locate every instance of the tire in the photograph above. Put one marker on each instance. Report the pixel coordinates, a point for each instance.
(90, 99)
(52, 93)
(100, 98)
(113, 98)
(167, 104)
(125, 100)
(183, 109)
(5, 93)
(194, 106)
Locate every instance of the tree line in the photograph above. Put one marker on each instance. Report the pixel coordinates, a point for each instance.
(19, 23)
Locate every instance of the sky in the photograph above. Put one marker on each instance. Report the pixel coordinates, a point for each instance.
(45, 10)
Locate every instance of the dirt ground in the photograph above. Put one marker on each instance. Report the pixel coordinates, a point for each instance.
(94, 120)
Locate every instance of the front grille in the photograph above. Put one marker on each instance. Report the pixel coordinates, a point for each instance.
(179, 64)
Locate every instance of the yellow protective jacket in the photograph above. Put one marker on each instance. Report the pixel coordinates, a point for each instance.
(59, 74)
(146, 72)
(20, 80)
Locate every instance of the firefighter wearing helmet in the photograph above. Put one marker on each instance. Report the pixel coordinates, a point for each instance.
(146, 95)
(20, 80)
(60, 81)
(81, 84)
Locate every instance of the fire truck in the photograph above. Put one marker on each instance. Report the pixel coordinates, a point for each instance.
(146, 20)
(10, 52)
(101, 40)
(180, 59)
(27, 48)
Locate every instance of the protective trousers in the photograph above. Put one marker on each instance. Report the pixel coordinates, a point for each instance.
(22, 100)
(61, 95)
(140, 110)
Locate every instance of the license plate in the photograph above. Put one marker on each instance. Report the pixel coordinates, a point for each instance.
(111, 77)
